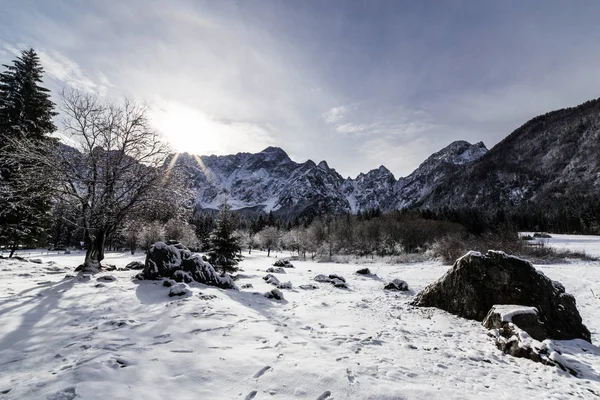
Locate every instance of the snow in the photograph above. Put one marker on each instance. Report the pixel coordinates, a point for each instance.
(508, 311)
(65, 338)
(589, 244)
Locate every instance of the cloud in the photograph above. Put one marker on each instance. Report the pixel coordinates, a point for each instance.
(325, 80)
(68, 72)
(335, 114)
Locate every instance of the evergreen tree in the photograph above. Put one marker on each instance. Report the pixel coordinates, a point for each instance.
(225, 252)
(26, 113)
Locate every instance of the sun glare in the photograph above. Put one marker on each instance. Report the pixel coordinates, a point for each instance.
(188, 130)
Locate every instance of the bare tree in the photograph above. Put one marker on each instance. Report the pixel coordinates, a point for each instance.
(114, 168)
(269, 238)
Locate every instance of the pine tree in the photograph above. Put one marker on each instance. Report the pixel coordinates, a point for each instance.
(225, 252)
(26, 113)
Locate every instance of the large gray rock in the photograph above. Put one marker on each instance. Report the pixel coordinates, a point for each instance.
(476, 282)
(177, 262)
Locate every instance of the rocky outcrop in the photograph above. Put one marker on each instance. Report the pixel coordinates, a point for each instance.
(476, 282)
(177, 262)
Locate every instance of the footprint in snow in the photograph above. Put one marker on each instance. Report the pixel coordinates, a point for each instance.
(262, 372)
(325, 395)
(351, 376)
(65, 394)
(251, 395)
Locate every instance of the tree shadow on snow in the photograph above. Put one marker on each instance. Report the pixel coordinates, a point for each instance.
(256, 301)
(47, 300)
(153, 292)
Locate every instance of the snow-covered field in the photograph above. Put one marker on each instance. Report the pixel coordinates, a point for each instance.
(587, 243)
(61, 338)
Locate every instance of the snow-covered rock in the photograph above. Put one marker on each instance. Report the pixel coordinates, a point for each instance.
(274, 294)
(272, 279)
(135, 265)
(177, 262)
(476, 282)
(276, 270)
(180, 289)
(396, 284)
(283, 264)
(284, 285)
(106, 278)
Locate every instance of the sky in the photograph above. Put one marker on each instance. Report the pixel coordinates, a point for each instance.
(357, 83)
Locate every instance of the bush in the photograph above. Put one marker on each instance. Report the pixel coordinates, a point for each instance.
(542, 235)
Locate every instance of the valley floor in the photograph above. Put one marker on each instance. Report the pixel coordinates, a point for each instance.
(64, 338)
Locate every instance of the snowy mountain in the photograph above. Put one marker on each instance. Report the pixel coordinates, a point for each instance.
(453, 159)
(271, 181)
(552, 159)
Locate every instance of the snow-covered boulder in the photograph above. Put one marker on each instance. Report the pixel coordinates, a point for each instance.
(272, 279)
(276, 270)
(274, 294)
(338, 277)
(336, 280)
(180, 289)
(161, 260)
(396, 284)
(203, 272)
(526, 318)
(308, 286)
(106, 278)
(363, 271)
(322, 278)
(514, 340)
(476, 282)
(283, 264)
(284, 285)
(35, 260)
(135, 265)
(182, 276)
(168, 282)
(338, 283)
(177, 262)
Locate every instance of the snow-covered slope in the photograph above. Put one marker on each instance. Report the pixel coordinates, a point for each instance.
(271, 181)
(423, 180)
(72, 339)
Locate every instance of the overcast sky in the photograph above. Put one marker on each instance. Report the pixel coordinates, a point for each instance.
(358, 83)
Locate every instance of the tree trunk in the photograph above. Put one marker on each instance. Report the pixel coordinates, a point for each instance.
(95, 251)
(14, 247)
(268, 252)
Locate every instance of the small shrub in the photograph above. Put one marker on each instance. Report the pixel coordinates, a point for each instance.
(542, 235)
